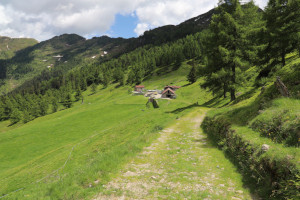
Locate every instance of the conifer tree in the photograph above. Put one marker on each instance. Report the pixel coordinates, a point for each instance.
(83, 84)
(15, 116)
(282, 28)
(43, 106)
(1, 110)
(78, 94)
(130, 78)
(54, 104)
(67, 103)
(138, 75)
(224, 49)
(26, 116)
(93, 88)
(192, 76)
(106, 80)
(121, 79)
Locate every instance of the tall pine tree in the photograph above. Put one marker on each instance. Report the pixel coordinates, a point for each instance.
(282, 29)
(225, 49)
(192, 76)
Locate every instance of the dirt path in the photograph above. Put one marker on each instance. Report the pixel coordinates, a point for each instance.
(181, 164)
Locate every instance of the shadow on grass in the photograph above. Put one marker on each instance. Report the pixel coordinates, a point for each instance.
(119, 85)
(186, 85)
(11, 124)
(245, 96)
(214, 102)
(179, 110)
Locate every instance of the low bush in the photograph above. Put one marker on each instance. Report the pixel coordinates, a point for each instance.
(280, 122)
(281, 128)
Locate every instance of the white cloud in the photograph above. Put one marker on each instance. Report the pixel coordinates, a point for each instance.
(4, 20)
(158, 13)
(141, 28)
(43, 19)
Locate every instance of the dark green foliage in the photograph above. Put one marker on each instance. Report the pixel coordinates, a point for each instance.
(282, 29)
(93, 88)
(26, 116)
(1, 110)
(67, 102)
(78, 94)
(7, 108)
(54, 104)
(44, 105)
(130, 78)
(15, 116)
(118, 76)
(229, 47)
(83, 84)
(192, 76)
(105, 80)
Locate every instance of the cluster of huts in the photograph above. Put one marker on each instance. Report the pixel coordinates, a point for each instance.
(167, 93)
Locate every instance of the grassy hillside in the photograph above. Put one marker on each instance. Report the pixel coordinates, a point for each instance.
(75, 50)
(61, 154)
(9, 46)
(72, 153)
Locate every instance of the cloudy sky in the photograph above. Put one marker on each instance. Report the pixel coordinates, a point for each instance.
(43, 19)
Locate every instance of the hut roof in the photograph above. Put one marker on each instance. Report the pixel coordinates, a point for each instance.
(172, 86)
(168, 89)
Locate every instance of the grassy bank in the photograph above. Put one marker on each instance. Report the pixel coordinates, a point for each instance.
(260, 133)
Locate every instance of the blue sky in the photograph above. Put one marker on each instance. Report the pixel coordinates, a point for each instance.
(124, 26)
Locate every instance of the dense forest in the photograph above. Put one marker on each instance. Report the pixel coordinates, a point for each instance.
(238, 37)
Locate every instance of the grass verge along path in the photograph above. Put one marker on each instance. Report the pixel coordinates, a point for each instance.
(180, 164)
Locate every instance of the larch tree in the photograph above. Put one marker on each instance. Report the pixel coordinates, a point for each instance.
(282, 29)
(192, 76)
(225, 47)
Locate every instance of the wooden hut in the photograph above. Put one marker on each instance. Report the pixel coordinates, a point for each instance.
(168, 93)
(172, 87)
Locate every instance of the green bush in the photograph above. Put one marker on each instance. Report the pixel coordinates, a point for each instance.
(282, 127)
(280, 122)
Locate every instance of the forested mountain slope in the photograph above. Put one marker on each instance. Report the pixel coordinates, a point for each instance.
(76, 51)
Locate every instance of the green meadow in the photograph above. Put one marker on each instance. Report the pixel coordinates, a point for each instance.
(62, 154)
(73, 153)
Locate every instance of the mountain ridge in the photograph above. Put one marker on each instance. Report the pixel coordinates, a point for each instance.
(32, 60)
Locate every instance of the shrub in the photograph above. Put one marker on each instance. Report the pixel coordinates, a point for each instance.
(281, 122)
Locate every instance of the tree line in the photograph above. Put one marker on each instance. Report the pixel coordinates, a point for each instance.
(55, 88)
